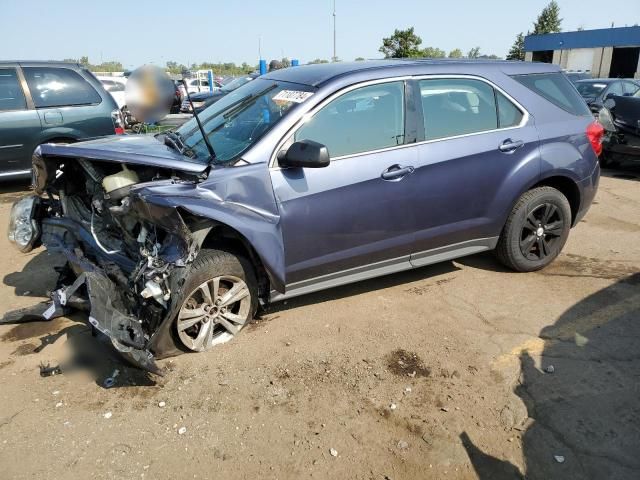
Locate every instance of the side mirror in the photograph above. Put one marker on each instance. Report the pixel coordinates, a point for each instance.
(305, 154)
(609, 96)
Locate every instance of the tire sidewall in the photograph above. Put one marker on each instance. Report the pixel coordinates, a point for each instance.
(546, 195)
(210, 264)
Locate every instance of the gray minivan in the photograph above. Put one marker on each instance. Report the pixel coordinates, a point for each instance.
(49, 102)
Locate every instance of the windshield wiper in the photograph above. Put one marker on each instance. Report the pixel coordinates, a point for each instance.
(174, 140)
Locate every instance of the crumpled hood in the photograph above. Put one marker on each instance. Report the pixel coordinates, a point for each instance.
(132, 149)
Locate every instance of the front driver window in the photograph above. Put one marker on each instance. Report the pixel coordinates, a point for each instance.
(365, 119)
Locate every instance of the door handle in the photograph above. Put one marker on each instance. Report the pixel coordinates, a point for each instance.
(396, 172)
(509, 145)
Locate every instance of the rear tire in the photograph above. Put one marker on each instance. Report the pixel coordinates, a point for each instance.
(220, 297)
(536, 230)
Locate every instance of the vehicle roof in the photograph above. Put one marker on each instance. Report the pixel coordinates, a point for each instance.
(605, 80)
(318, 74)
(39, 62)
(115, 79)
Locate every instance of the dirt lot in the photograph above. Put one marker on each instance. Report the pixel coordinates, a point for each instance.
(440, 372)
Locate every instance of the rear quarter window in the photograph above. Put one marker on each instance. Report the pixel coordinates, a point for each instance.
(557, 89)
(11, 96)
(59, 87)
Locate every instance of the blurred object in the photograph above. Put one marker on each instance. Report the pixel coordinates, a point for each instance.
(150, 94)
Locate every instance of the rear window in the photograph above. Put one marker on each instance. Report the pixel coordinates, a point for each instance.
(59, 87)
(556, 88)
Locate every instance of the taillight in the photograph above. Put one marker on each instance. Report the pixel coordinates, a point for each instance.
(595, 132)
(118, 122)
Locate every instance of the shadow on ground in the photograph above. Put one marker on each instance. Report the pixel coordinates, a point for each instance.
(587, 412)
(89, 350)
(37, 277)
(15, 190)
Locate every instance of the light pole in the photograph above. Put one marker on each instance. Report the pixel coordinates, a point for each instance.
(335, 56)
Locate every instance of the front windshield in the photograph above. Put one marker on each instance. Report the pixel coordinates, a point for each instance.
(590, 89)
(241, 118)
(235, 83)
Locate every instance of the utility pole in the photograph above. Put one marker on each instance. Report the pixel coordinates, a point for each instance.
(335, 56)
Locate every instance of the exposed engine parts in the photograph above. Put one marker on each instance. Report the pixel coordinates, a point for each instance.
(125, 256)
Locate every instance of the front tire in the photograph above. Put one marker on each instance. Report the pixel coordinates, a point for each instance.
(220, 298)
(536, 230)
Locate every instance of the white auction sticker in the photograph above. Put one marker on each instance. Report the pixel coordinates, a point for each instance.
(295, 96)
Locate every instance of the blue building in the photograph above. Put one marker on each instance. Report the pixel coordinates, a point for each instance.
(606, 52)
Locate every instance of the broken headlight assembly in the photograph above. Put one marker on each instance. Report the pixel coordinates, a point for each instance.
(23, 228)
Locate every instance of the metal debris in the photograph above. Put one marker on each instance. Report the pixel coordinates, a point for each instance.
(182, 430)
(333, 452)
(559, 458)
(550, 369)
(111, 381)
(108, 415)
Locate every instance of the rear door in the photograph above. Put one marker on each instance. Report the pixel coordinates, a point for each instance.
(352, 219)
(67, 103)
(19, 123)
(478, 141)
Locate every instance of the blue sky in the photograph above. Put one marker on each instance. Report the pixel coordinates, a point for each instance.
(145, 31)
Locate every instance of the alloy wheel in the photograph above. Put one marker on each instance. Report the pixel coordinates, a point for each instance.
(542, 228)
(214, 312)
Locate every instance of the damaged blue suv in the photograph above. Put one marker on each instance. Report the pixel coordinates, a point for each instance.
(305, 179)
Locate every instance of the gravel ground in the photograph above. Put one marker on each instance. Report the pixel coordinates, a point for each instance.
(460, 370)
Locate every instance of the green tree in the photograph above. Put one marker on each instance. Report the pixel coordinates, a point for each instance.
(318, 60)
(285, 62)
(84, 61)
(433, 52)
(549, 20)
(360, 59)
(402, 44)
(455, 53)
(517, 49)
(474, 52)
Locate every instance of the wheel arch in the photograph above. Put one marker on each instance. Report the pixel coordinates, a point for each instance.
(568, 187)
(210, 233)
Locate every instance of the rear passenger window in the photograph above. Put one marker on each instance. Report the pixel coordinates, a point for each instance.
(59, 87)
(508, 114)
(365, 119)
(11, 95)
(455, 106)
(557, 89)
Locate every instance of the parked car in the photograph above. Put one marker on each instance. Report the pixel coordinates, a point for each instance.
(196, 85)
(203, 99)
(43, 102)
(620, 118)
(597, 90)
(310, 178)
(574, 76)
(116, 87)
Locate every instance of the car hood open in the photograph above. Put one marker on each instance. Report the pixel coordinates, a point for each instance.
(132, 149)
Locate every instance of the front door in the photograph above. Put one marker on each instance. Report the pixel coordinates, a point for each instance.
(19, 125)
(352, 219)
(479, 149)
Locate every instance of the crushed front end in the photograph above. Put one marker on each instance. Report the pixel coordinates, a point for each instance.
(126, 257)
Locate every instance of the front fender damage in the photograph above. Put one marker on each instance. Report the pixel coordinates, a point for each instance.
(129, 250)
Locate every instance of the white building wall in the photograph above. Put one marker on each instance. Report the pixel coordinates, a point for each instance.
(579, 59)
